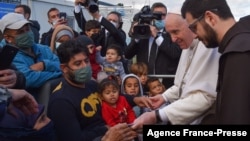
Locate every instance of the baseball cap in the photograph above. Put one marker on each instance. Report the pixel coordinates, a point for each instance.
(12, 21)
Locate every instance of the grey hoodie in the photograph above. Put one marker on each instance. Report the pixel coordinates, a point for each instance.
(138, 111)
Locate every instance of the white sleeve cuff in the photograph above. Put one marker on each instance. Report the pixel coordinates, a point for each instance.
(77, 9)
(163, 116)
(164, 95)
(100, 19)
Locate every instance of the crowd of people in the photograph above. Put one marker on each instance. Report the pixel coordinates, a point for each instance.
(99, 95)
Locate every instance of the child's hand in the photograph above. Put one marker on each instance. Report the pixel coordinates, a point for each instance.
(98, 48)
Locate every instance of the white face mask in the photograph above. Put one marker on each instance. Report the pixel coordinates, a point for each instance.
(54, 22)
(57, 44)
(114, 23)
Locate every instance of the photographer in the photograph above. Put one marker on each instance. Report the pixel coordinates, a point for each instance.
(111, 33)
(55, 18)
(152, 44)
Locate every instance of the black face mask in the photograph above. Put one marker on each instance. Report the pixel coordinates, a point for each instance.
(95, 36)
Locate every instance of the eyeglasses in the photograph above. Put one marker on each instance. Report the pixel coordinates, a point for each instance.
(192, 26)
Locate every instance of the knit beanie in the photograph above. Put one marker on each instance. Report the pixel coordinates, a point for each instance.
(55, 35)
(85, 40)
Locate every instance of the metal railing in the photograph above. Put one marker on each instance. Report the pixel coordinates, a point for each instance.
(161, 76)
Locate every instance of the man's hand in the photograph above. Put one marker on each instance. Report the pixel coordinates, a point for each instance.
(77, 2)
(98, 48)
(24, 101)
(8, 78)
(95, 15)
(157, 101)
(37, 66)
(143, 102)
(119, 132)
(145, 118)
(154, 30)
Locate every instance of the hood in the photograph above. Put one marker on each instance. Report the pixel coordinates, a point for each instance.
(131, 75)
(241, 27)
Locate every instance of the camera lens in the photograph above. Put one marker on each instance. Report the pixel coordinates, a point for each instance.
(142, 30)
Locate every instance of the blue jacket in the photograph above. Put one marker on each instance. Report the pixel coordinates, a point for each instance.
(35, 79)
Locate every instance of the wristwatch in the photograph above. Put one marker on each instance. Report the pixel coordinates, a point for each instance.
(157, 115)
(5, 95)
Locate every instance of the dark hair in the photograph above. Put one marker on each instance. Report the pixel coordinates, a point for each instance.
(51, 9)
(119, 18)
(139, 68)
(116, 48)
(219, 7)
(69, 49)
(150, 80)
(92, 24)
(26, 9)
(110, 80)
(156, 5)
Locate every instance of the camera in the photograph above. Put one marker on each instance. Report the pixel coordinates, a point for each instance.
(92, 5)
(144, 18)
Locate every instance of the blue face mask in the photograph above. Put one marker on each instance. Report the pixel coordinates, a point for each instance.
(159, 24)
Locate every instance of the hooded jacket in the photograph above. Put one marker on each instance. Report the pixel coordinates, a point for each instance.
(233, 103)
(138, 110)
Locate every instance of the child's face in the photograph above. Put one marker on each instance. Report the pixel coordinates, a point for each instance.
(156, 88)
(91, 48)
(92, 32)
(110, 95)
(143, 78)
(112, 56)
(131, 86)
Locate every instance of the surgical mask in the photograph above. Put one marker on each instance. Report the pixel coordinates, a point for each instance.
(54, 22)
(159, 24)
(25, 40)
(57, 44)
(114, 23)
(81, 75)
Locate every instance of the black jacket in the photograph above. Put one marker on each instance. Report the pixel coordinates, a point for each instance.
(114, 36)
(35, 27)
(233, 99)
(167, 57)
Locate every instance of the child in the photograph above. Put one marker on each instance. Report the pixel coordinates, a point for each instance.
(141, 70)
(131, 85)
(154, 87)
(115, 108)
(111, 62)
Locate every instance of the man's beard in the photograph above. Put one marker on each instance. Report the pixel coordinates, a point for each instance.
(211, 37)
